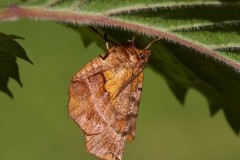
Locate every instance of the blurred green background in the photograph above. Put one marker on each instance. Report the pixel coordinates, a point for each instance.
(35, 126)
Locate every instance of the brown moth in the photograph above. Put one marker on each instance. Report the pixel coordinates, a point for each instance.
(104, 99)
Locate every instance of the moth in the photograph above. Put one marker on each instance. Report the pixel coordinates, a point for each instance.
(104, 98)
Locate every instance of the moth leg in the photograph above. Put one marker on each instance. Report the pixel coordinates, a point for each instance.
(134, 35)
(133, 38)
(106, 41)
(103, 37)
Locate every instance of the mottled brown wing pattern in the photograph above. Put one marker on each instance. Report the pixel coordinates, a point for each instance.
(104, 98)
(109, 144)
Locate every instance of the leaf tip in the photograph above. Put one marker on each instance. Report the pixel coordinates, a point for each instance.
(7, 92)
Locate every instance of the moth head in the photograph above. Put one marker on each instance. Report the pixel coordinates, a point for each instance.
(136, 55)
(143, 54)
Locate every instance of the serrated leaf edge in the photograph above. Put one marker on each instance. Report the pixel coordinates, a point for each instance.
(102, 20)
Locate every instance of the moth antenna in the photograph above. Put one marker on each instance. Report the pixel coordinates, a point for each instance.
(153, 41)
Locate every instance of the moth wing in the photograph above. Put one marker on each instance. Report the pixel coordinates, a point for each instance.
(102, 99)
(132, 128)
(91, 92)
(88, 100)
(109, 144)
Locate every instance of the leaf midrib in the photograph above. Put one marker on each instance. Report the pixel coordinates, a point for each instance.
(102, 20)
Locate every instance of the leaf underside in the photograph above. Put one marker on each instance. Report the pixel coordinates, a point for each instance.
(10, 50)
(200, 47)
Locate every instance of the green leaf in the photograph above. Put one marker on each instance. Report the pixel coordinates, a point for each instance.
(219, 83)
(199, 47)
(9, 51)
